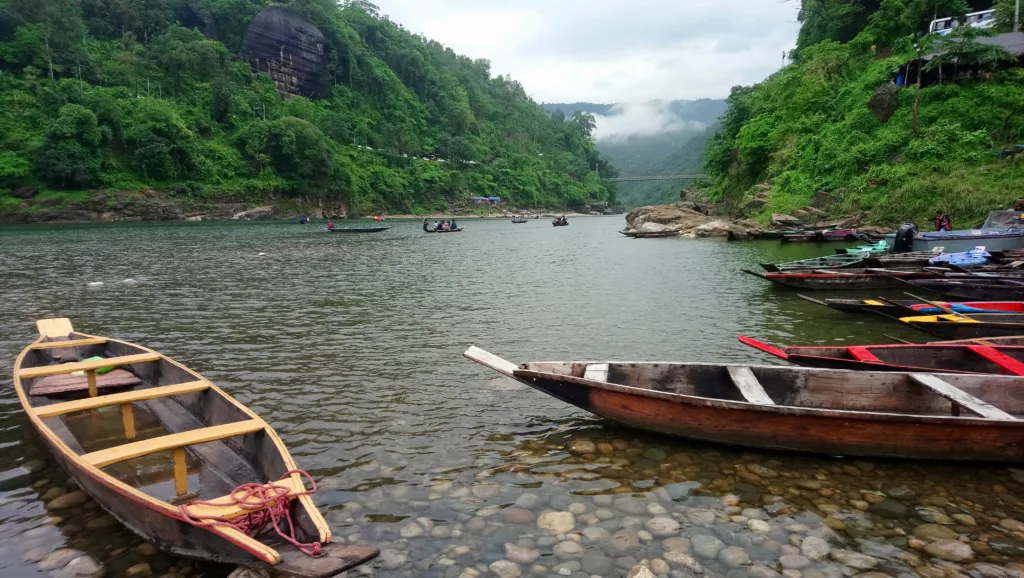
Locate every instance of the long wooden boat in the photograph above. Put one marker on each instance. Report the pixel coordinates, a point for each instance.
(942, 357)
(820, 279)
(169, 454)
(966, 326)
(974, 289)
(896, 308)
(836, 412)
(358, 229)
(459, 230)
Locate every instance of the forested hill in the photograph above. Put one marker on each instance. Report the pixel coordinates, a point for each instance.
(652, 138)
(833, 126)
(152, 94)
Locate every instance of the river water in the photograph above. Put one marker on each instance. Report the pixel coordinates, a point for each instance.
(350, 346)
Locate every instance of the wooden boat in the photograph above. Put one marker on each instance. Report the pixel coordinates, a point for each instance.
(967, 326)
(358, 229)
(974, 289)
(459, 230)
(819, 279)
(942, 357)
(835, 412)
(826, 262)
(196, 446)
(896, 308)
(650, 234)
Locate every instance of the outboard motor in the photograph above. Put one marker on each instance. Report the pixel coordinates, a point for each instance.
(904, 242)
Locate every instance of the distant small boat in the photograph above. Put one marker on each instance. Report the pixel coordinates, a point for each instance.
(358, 229)
(172, 456)
(459, 230)
(931, 357)
(827, 411)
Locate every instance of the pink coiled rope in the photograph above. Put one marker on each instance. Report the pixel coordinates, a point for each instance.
(265, 505)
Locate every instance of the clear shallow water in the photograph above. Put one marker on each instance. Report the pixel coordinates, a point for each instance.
(350, 346)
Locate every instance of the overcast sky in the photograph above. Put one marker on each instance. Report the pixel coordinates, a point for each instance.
(612, 51)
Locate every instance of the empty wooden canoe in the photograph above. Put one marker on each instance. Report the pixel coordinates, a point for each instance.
(946, 358)
(166, 451)
(886, 414)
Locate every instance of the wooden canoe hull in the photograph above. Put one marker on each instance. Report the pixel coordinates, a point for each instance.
(782, 431)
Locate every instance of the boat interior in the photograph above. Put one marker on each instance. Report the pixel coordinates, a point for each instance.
(988, 396)
(151, 423)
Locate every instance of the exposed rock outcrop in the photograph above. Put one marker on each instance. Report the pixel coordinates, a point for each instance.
(287, 47)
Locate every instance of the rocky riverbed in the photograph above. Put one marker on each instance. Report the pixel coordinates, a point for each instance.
(600, 506)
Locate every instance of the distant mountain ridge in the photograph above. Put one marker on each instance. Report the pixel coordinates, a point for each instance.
(702, 110)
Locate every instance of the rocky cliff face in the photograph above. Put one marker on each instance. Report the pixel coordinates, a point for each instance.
(287, 47)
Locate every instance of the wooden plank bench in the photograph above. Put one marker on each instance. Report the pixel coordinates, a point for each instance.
(749, 386)
(226, 506)
(959, 397)
(119, 398)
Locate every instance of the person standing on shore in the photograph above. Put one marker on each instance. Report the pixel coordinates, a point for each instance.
(942, 222)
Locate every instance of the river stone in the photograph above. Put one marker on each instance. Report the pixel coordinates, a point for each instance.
(889, 508)
(759, 526)
(596, 534)
(66, 501)
(934, 515)
(506, 569)
(733, 556)
(529, 501)
(814, 548)
(557, 522)
(58, 559)
(684, 561)
(630, 505)
(662, 527)
(521, 555)
(701, 517)
(952, 550)
(677, 544)
(934, 532)
(568, 550)
(855, 559)
(794, 562)
(623, 542)
(706, 547)
(581, 447)
(596, 563)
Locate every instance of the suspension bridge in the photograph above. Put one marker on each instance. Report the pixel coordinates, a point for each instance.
(657, 178)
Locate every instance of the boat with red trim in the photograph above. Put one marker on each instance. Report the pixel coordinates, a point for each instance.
(928, 357)
(173, 457)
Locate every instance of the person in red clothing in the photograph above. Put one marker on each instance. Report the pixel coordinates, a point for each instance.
(942, 222)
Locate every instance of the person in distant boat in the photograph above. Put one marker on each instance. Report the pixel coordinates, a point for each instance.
(942, 222)
(330, 225)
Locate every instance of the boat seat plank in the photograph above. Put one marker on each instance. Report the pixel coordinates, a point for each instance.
(119, 398)
(863, 354)
(999, 358)
(50, 328)
(749, 386)
(55, 384)
(596, 372)
(226, 506)
(69, 343)
(87, 365)
(133, 450)
(960, 397)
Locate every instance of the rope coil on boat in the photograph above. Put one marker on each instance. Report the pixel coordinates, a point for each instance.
(264, 505)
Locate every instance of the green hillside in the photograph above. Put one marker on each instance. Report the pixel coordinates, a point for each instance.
(809, 127)
(150, 94)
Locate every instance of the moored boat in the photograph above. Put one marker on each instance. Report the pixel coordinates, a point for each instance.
(173, 457)
(941, 357)
(883, 414)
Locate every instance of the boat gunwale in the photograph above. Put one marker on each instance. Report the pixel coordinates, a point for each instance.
(247, 543)
(718, 403)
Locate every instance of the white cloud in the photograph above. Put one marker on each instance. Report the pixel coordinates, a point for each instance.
(604, 51)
